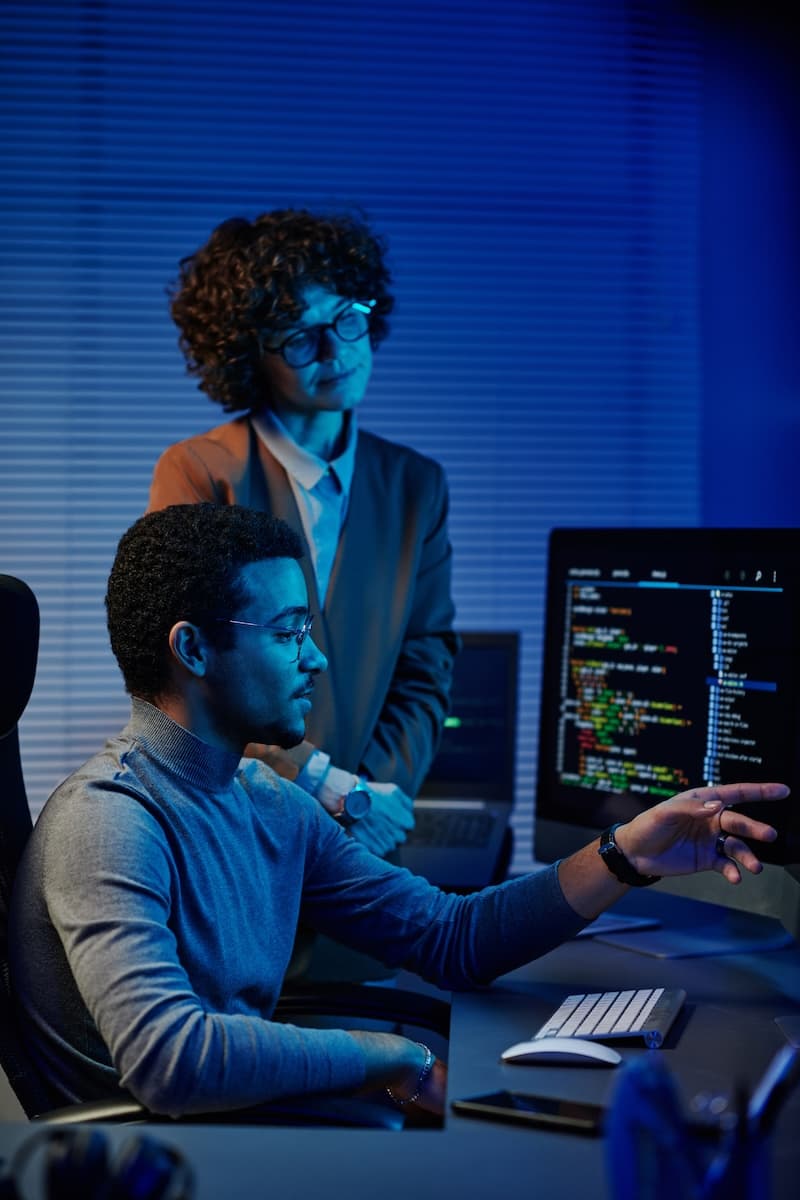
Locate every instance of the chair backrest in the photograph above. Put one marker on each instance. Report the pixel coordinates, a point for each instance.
(19, 650)
(19, 638)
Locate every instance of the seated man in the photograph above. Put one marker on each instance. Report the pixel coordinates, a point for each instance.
(157, 901)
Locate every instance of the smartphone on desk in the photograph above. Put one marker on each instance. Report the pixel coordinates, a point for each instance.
(521, 1107)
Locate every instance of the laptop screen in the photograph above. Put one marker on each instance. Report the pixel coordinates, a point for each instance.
(478, 743)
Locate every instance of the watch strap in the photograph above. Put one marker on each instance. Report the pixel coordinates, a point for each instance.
(618, 864)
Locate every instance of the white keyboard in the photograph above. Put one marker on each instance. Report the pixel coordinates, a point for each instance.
(644, 1012)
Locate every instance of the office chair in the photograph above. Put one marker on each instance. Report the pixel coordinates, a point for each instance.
(19, 647)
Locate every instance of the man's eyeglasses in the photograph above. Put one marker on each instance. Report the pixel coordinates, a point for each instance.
(297, 635)
(302, 348)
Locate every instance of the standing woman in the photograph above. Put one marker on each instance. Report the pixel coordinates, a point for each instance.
(279, 318)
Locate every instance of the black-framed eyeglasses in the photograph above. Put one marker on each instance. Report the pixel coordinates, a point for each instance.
(302, 348)
(297, 635)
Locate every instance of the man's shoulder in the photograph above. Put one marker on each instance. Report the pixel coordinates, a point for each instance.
(281, 802)
(260, 779)
(100, 790)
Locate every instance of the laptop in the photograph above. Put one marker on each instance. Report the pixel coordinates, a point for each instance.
(463, 809)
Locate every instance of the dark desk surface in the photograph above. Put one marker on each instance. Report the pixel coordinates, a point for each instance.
(726, 1034)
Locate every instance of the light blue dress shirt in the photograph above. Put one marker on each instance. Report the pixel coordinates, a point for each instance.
(321, 489)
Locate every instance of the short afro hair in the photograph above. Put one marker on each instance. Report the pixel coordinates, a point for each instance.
(246, 281)
(182, 563)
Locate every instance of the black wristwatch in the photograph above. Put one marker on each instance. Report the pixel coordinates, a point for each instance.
(354, 805)
(618, 864)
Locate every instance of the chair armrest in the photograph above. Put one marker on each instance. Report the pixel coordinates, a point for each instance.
(122, 1111)
(342, 1111)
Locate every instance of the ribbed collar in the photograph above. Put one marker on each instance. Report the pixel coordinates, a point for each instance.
(178, 750)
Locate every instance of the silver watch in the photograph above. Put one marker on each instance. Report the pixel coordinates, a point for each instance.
(354, 805)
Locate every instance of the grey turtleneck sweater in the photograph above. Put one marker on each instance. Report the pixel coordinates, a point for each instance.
(155, 912)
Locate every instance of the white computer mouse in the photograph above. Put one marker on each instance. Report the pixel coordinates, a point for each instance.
(552, 1050)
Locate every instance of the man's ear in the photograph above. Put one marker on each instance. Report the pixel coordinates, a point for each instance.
(189, 648)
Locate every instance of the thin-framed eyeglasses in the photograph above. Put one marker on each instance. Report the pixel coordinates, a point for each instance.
(299, 635)
(302, 348)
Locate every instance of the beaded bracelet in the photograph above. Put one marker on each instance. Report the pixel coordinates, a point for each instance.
(427, 1067)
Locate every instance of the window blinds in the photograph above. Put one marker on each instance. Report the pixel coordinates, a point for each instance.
(534, 167)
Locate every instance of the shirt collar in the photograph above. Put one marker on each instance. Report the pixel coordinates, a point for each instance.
(301, 464)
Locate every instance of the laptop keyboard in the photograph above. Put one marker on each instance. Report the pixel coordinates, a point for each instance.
(457, 830)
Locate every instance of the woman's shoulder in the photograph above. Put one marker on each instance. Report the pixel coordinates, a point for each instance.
(388, 454)
(233, 435)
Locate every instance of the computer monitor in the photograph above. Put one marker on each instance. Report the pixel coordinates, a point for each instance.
(670, 661)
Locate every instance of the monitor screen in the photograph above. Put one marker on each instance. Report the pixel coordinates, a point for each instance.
(670, 661)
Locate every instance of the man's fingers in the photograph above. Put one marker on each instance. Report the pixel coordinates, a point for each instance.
(742, 793)
(732, 822)
(737, 855)
(729, 870)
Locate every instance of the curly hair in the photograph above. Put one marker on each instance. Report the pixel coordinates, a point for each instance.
(182, 564)
(246, 280)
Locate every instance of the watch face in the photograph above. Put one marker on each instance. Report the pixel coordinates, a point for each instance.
(357, 803)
